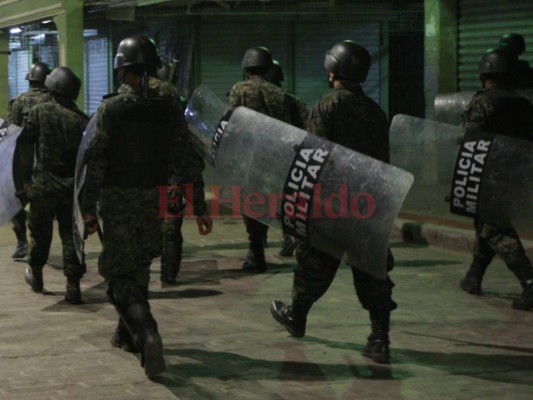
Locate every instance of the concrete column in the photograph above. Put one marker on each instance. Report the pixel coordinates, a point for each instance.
(440, 43)
(69, 25)
(4, 82)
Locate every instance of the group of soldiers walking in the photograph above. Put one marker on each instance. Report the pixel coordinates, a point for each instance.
(142, 142)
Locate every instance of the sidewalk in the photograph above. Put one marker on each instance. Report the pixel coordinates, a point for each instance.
(221, 342)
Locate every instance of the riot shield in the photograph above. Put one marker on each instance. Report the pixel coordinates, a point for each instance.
(449, 107)
(493, 180)
(428, 150)
(203, 113)
(343, 202)
(79, 179)
(9, 203)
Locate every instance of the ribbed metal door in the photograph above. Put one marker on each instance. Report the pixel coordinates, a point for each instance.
(96, 68)
(223, 44)
(481, 23)
(315, 38)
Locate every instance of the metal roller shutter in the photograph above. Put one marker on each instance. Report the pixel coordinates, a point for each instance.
(481, 23)
(96, 71)
(223, 44)
(313, 39)
(19, 65)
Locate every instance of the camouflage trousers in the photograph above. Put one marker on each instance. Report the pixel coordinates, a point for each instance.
(171, 229)
(316, 270)
(19, 225)
(132, 238)
(45, 205)
(504, 242)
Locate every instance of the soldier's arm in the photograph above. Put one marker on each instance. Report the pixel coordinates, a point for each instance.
(477, 113)
(15, 112)
(235, 98)
(319, 121)
(96, 157)
(188, 166)
(26, 145)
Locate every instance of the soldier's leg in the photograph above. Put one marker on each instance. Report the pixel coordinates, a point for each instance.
(40, 224)
(172, 249)
(19, 227)
(507, 244)
(313, 276)
(73, 269)
(375, 295)
(129, 245)
(482, 257)
(288, 246)
(255, 259)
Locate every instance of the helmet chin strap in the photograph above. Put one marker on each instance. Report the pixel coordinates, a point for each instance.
(144, 83)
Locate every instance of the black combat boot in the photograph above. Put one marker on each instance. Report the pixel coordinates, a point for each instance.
(377, 346)
(34, 278)
(21, 251)
(525, 302)
(293, 321)
(255, 260)
(19, 227)
(73, 293)
(471, 283)
(122, 338)
(289, 244)
(170, 261)
(143, 330)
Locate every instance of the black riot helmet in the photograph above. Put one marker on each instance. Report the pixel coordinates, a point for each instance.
(63, 81)
(137, 51)
(348, 60)
(257, 57)
(514, 42)
(275, 75)
(38, 72)
(496, 61)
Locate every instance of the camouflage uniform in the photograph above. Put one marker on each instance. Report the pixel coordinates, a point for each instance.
(172, 248)
(348, 117)
(499, 110)
(56, 127)
(18, 113)
(262, 96)
(124, 179)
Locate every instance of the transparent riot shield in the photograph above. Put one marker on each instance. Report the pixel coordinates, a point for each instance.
(428, 150)
(449, 107)
(9, 203)
(344, 203)
(493, 180)
(204, 113)
(79, 179)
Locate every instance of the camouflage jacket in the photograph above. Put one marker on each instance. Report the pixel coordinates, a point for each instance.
(261, 96)
(185, 162)
(348, 117)
(500, 110)
(298, 112)
(21, 105)
(56, 128)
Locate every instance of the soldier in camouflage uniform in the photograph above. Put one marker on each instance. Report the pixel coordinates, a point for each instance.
(348, 117)
(138, 134)
(56, 128)
(262, 96)
(498, 109)
(298, 114)
(520, 74)
(18, 113)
